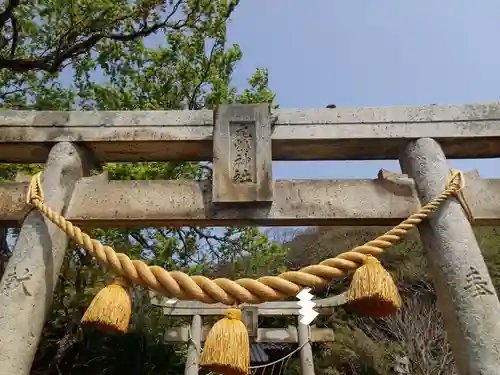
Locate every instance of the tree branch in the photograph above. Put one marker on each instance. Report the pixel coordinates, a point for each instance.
(15, 36)
(192, 102)
(67, 49)
(5, 252)
(7, 13)
(148, 30)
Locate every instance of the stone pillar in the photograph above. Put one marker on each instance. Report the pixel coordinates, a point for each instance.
(242, 160)
(306, 355)
(28, 283)
(465, 292)
(194, 346)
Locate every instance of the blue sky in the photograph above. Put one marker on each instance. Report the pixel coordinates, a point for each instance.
(367, 53)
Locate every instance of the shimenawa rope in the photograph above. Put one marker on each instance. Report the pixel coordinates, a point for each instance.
(232, 292)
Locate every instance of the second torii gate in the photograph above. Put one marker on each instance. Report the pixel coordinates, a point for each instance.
(301, 334)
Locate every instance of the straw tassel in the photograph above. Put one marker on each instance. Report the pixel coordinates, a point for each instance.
(373, 291)
(227, 347)
(111, 308)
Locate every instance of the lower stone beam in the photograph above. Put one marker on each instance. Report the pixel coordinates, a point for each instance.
(384, 201)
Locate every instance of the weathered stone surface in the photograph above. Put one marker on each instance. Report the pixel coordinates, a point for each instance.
(466, 295)
(13, 207)
(298, 134)
(194, 346)
(28, 282)
(324, 306)
(270, 335)
(387, 200)
(242, 160)
(306, 355)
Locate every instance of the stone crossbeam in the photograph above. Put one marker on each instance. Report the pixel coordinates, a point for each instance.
(264, 335)
(324, 306)
(463, 131)
(386, 200)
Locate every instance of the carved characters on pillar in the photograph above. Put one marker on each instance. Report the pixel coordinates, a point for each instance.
(18, 278)
(476, 284)
(242, 149)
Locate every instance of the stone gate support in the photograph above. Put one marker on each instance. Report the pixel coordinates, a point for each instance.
(31, 275)
(466, 296)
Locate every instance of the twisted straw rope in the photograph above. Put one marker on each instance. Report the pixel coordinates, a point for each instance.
(231, 292)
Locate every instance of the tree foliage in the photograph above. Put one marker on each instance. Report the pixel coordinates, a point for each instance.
(368, 346)
(125, 55)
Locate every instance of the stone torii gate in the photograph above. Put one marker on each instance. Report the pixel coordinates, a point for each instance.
(242, 141)
(301, 334)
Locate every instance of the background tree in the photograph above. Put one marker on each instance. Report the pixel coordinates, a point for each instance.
(368, 346)
(125, 55)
